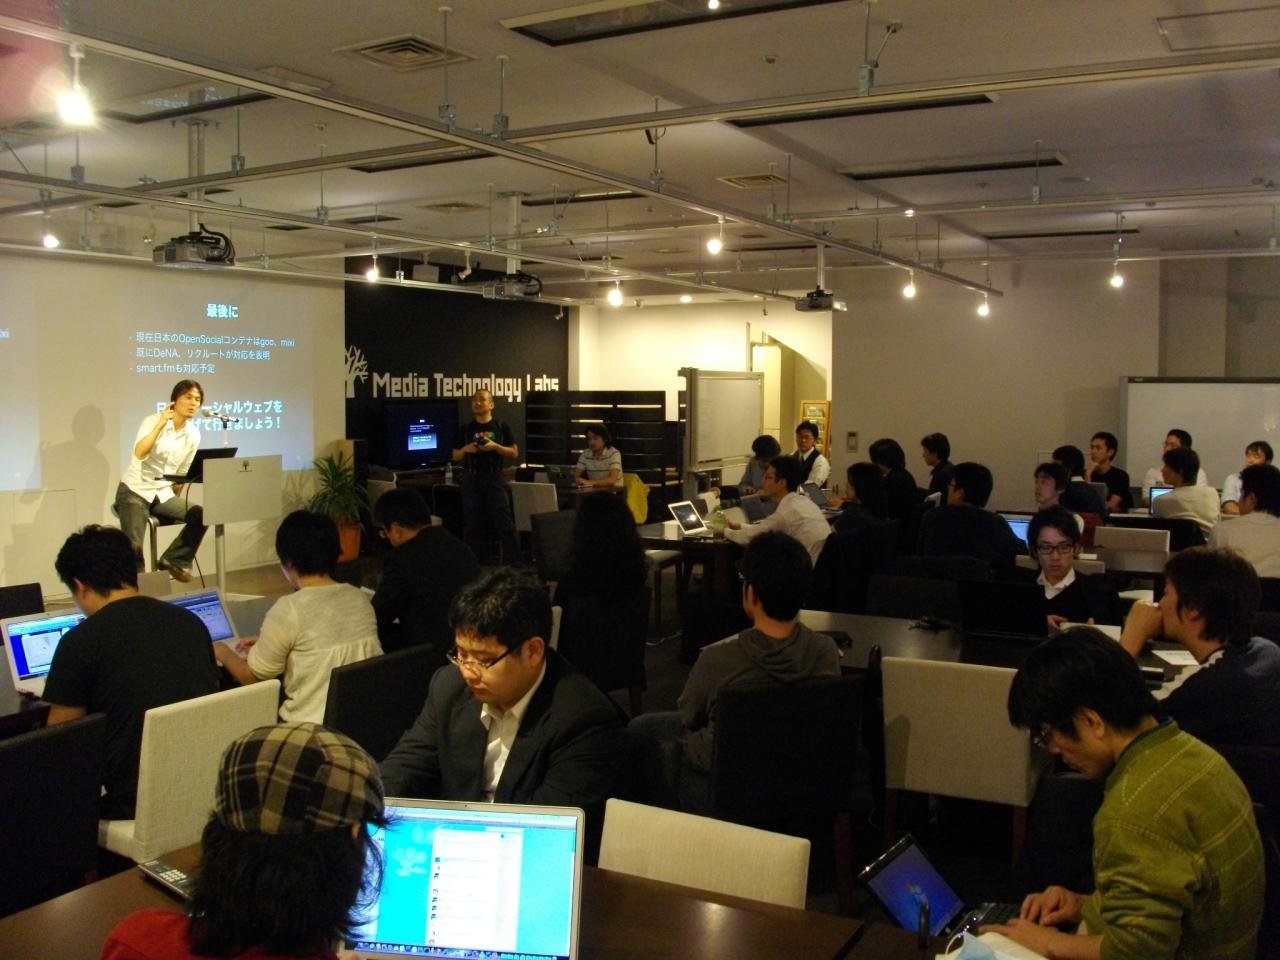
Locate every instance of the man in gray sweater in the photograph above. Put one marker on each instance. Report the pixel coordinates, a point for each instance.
(776, 572)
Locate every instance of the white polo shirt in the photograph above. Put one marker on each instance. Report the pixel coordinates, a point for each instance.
(172, 454)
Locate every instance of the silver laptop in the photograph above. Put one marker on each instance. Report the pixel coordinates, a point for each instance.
(29, 645)
(476, 880)
(756, 507)
(212, 611)
(1156, 494)
(561, 475)
(690, 520)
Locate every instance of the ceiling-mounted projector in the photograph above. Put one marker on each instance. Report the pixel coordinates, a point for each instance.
(200, 249)
(817, 299)
(512, 286)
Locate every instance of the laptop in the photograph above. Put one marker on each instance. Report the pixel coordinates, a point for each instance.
(195, 473)
(562, 476)
(1002, 608)
(820, 498)
(686, 514)
(209, 607)
(476, 880)
(1019, 523)
(29, 644)
(1156, 494)
(757, 506)
(902, 879)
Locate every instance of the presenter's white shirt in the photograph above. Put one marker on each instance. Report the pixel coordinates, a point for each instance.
(172, 453)
(308, 633)
(501, 727)
(797, 516)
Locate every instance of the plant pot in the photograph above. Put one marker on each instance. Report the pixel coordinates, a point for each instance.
(349, 541)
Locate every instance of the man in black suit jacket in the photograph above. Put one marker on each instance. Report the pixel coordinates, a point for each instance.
(964, 527)
(510, 721)
(424, 571)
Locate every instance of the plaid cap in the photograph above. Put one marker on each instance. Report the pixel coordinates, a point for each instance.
(296, 778)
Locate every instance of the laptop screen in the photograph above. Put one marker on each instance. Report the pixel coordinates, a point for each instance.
(33, 640)
(687, 515)
(1019, 525)
(208, 606)
(1156, 494)
(476, 880)
(904, 878)
(814, 492)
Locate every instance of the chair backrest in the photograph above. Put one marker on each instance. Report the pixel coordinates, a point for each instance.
(785, 749)
(846, 564)
(182, 744)
(49, 810)
(1270, 600)
(606, 640)
(1266, 623)
(1183, 531)
(942, 566)
(1269, 931)
(946, 731)
(530, 498)
(552, 538)
(1258, 769)
(21, 599)
(913, 597)
(395, 682)
(1131, 538)
(1080, 564)
(374, 489)
(707, 854)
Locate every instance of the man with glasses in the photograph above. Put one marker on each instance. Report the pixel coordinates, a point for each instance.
(509, 721)
(1069, 596)
(797, 516)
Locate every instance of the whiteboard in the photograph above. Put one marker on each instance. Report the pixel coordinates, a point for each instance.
(725, 414)
(1222, 416)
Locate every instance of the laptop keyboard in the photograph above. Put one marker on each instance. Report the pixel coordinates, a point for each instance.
(1000, 913)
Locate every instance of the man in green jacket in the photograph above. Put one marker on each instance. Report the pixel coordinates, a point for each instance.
(1176, 854)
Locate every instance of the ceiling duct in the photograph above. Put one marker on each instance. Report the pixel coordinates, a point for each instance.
(953, 165)
(870, 110)
(403, 53)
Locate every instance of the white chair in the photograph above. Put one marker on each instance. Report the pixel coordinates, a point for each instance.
(947, 732)
(182, 744)
(1131, 538)
(557, 614)
(530, 498)
(704, 853)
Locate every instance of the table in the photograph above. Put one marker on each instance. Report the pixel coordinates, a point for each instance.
(18, 713)
(623, 918)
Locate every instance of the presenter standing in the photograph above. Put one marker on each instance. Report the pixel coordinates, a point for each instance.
(486, 511)
(166, 444)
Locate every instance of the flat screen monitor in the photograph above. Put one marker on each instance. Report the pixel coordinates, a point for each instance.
(420, 433)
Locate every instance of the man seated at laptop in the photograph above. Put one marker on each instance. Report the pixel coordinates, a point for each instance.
(293, 812)
(129, 654)
(1210, 598)
(1187, 500)
(510, 722)
(797, 515)
(324, 624)
(600, 465)
(963, 526)
(1257, 453)
(1177, 860)
(1069, 596)
(1079, 495)
(776, 574)
(1101, 469)
(425, 568)
(1155, 476)
(1256, 532)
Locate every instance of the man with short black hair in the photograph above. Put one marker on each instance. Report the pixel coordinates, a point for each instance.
(814, 467)
(899, 485)
(796, 515)
(1256, 532)
(483, 444)
(421, 574)
(1070, 597)
(1078, 496)
(1257, 453)
(1050, 484)
(1210, 598)
(1177, 860)
(1102, 469)
(1187, 500)
(1155, 476)
(129, 654)
(935, 450)
(963, 526)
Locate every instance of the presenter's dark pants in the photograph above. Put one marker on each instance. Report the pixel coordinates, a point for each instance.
(486, 515)
(133, 511)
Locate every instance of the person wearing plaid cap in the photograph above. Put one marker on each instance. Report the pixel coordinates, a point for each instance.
(282, 870)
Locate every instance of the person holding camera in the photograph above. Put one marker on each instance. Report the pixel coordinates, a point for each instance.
(483, 444)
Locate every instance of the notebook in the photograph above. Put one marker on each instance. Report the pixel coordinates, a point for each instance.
(208, 606)
(476, 880)
(903, 880)
(29, 644)
(690, 520)
(1019, 523)
(195, 473)
(1156, 494)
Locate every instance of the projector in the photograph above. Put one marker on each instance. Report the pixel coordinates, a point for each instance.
(200, 249)
(817, 299)
(512, 286)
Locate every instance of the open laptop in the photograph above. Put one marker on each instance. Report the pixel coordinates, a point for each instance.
(1156, 494)
(195, 473)
(212, 611)
(1001, 608)
(29, 644)
(1019, 523)
(820, 498)
(476, 880)
(562, 476)
(690, 520)
(756, 507)
(902, 879)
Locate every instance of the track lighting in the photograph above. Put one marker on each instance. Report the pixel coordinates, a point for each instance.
(909, 212)
(1117, 278)
(74, 107)
(372, 273)
(685, 298)
(713, 4)
(50, 239)
(615, 295)
(716, 243)
(909, 290)
(984, 308)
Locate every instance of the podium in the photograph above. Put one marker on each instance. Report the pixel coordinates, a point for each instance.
(239, 489)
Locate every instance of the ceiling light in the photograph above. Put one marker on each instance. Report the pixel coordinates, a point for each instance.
(685, 298)
(909, 212)
(984, 308)
(372, 273)
(615, 295)
(713, 4)
(716, 243)
(909, 290)
(1117, 278)
(74, 107)
(50, 239)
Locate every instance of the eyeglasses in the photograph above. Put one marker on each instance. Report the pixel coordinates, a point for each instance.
(477, 666)
(1061, 549)
(1042, 738)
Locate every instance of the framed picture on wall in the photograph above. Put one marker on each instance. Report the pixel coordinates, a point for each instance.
(819, 412)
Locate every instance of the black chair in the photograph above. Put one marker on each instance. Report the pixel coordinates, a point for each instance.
(1267, 624)
(1269, 931)
(552, 538)
(446, 503)
(911, 598)
(942, 567)
(20, 600)
(374, 701)
(784, 758)
(1258, 769)
(49, 811)
(1270, 601)
(606, 642)
(846, 564)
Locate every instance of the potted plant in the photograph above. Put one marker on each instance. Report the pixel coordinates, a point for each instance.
(341, 499)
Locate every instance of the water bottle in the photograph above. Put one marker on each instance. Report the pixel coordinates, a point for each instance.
(717, 525)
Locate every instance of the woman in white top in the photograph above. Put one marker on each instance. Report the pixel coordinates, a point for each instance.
(600, 465)
(325, 624)
(166, 444)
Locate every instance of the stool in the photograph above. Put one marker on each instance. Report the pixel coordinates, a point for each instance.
(153, 526)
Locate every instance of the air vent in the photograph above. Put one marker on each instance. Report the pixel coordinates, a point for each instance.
(954, 165)
(361, 221)
(408, 163)
(1060, 234)
(286, 227)
(403, 53)
(453, 206)
(753, 181)
(841, 113)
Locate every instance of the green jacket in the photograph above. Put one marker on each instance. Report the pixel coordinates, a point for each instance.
(1176, 855)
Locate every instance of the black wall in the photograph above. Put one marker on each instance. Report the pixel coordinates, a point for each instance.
(418, 343)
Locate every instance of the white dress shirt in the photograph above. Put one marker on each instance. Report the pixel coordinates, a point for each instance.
(172, 453)
(796, 516)
(502, 726)
(1051, 590)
